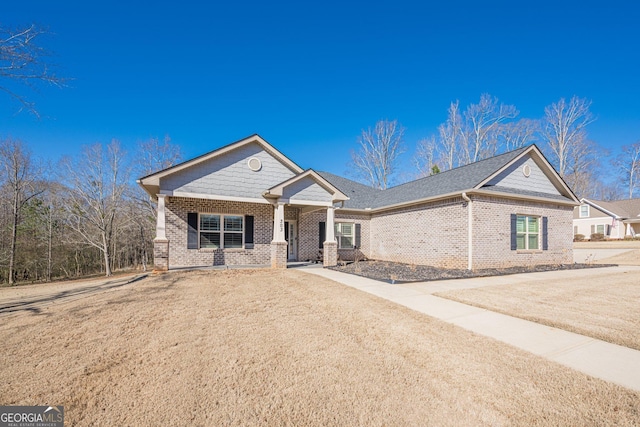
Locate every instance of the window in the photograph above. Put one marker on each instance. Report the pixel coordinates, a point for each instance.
(345, 232)
(584, 211)
(221, 231)
(528, 232)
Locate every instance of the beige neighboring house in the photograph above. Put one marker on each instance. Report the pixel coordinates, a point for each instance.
(248, 204)
(615, 220)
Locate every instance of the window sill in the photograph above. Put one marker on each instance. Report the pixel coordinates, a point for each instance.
(207, 250)
(529, 251)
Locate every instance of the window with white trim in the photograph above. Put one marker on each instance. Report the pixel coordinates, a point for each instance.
(345, 234)
(221, 231)
(527, 232)
(584, 211)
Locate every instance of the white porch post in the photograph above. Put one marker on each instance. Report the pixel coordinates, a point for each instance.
(330, 229)
(160, 220)
(161, 243)
(278, 244)
(330, 246)
(278, 223)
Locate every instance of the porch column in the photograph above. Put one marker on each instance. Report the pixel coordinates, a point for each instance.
(278, 244)
(330, 246)
(161, 243)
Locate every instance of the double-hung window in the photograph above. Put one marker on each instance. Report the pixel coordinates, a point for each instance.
(528, 232)
(220, 231)
(345, 234)
(584, 211)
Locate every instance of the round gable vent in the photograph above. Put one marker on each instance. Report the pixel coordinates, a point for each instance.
(526, 170)
(254, 164)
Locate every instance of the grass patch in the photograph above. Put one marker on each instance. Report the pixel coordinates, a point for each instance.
(602, 305)
(272, 347)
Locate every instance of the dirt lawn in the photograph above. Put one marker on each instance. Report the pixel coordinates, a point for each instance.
(280, 348)
(604, 305)
(631, 257)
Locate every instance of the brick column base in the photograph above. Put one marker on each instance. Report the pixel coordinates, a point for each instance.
(161, 254)
(278, 254)
(330, 250)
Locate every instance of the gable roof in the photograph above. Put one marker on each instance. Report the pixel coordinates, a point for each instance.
(469, 178)
(151, 182)
(278, 190)
(629, 208)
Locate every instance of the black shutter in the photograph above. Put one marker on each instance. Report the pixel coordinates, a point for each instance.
(248, 232)
(545, 234)
(514, 230)
(192, 230)
(322, 235)
(358, 236)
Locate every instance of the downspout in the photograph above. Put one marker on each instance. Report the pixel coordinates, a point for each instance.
(469, 231)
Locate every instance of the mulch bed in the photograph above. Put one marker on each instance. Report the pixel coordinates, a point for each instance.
(394, 272)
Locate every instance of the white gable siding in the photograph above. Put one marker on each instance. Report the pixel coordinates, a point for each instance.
(306, 189)
(229, 175)
(512, 177)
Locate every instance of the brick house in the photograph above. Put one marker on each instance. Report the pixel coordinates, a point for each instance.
(248, 204)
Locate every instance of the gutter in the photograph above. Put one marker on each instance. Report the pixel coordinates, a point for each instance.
(469, 231)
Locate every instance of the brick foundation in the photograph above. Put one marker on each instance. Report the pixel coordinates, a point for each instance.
(161, 254)
(278, 254)
(330, 251)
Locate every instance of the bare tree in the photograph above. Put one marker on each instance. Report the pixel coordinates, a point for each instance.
(605, 191)
(20, 175)
(564, 130)
(425, 158)
(582, 166)
(481, 130)
(97, 182)
(24, 62)
(449, 136)
(628, 165)
(152, 156)
(377, 157)
(514, 135)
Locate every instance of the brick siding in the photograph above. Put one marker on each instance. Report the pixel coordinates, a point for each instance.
(492, 233)
(176, 226)
(308, 247)
(427, 234)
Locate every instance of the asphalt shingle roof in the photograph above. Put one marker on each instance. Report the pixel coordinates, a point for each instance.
(451, 181)
(628, 208)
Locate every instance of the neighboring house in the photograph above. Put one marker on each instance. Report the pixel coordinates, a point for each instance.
(614, 220)
(248, 204)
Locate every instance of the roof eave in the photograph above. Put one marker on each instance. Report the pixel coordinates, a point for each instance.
(597, 206)
(514, 196)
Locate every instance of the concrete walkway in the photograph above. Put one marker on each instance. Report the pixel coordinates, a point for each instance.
(597, 358)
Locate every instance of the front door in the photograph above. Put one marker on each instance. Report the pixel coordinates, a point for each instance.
(291, 236)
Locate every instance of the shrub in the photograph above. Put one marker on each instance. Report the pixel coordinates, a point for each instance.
(578, 238)
(598, 237)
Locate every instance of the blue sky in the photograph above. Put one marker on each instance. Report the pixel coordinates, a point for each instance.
(309, 77)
